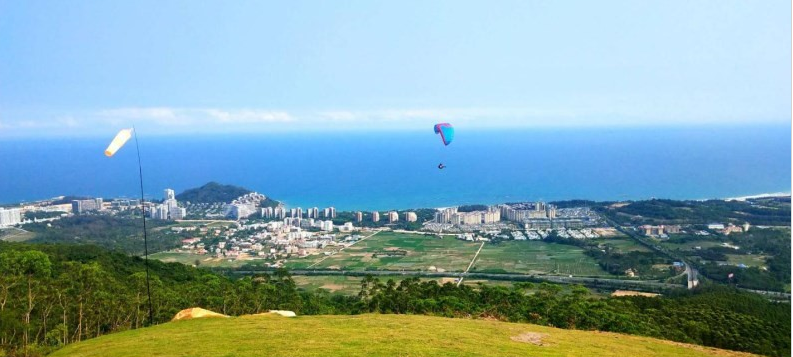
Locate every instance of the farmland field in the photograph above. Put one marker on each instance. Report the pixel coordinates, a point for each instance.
(748, 260)
(624, 244)
(420, 253)
(535, 257)
(204, 260)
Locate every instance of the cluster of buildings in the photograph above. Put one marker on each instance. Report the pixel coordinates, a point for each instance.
(280, 212)
(275, 240)
(660, 231)
(89, 205)
(244, 206)
(392, 216)
(729, 228)
(529, 215)
(454, 217)
(522, 212)
(169, 209)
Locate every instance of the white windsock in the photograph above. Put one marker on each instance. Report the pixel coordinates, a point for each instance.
(118, 142)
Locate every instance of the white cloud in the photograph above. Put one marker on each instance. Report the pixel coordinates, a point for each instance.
(582, 111)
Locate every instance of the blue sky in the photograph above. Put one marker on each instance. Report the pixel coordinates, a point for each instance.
(79, 68)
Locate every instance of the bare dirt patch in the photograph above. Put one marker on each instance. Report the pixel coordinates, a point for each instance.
(534, 338)
(332, 287)
(632, 293)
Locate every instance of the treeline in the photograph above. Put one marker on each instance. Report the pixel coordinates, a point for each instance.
(51, 295)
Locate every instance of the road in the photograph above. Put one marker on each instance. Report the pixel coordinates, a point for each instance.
(692, 275)
(460, 281)
(353, 243)
(639, 285)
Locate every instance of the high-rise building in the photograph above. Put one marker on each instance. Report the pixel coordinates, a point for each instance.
(82, 206)
(332, 212)
(178, 213)
(411, 217)
(393, 217)
(169, 194)
(551, 211)
(10, 216)
(267, 212)
(240, 210)
(359, 216)
(375, 216)
(279, 212)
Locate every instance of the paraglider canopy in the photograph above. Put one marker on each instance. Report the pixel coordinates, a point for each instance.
(447, 132)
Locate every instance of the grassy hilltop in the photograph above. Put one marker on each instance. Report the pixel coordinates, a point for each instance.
(372, 335)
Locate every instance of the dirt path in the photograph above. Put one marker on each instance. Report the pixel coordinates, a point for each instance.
(471, 264)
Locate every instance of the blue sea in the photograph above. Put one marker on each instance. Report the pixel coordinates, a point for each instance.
(382, 170)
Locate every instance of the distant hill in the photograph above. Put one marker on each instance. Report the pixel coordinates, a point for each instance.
(211, 193)
(372, 335)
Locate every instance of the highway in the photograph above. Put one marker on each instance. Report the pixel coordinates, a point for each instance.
(640, 285)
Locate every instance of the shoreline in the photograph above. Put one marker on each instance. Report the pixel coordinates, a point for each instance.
(734, 198)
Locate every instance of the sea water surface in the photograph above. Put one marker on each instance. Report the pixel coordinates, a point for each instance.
(381, 170)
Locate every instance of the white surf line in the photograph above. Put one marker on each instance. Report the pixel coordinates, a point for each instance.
(353, 243)
(471, 264)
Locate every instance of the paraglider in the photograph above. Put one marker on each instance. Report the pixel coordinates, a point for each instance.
(446, 132)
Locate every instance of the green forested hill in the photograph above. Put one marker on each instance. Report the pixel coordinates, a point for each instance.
(212, 192)
(55, 295)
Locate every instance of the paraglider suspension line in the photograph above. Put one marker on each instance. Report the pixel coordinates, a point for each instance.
(145, 236)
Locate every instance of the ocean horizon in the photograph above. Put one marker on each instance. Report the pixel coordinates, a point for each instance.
(380, 170)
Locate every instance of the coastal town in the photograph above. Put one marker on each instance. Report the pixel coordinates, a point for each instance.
(253, 229)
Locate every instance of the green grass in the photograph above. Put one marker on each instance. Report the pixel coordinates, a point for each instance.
(705, 244)
(750, 260)
(15, 235)
(205, 260)
(536, 257)
(423, 251)
(369, 335)
(623, 243)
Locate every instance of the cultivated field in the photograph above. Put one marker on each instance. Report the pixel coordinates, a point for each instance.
(536, 257)
(421, 252)
(624, 244)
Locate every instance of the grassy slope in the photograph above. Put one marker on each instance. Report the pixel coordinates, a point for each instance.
(369, 335)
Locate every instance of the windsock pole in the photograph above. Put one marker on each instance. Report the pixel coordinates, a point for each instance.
(145, 235)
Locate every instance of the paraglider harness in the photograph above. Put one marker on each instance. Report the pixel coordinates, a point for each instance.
(441, 166)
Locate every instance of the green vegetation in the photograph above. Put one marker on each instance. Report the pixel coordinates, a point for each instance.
(471, 208)
(41, 214)
(773, 212)
(15, 235)
(212, 192)
(621, 256)
(536, 257)
(423, 251)
(765, 252)
(369, 335)
(111, 232)
(52, 295)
